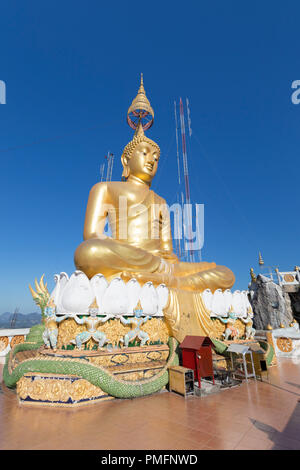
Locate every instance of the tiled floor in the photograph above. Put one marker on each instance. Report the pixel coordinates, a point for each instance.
(253, 416)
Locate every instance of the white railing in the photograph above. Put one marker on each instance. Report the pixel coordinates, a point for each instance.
(284, 278)
(11, 337)
(289, 278)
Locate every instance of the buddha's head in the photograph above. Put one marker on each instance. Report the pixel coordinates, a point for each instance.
(140, 158)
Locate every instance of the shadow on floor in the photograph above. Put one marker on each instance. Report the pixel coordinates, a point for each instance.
(268, 430)
(288, 439)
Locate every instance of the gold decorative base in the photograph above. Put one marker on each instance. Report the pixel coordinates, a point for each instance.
(117, 357)
(186, 314)
(58, 390)
(129, 364)
(114, 330)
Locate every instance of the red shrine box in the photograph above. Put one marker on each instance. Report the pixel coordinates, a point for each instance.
(197, 355)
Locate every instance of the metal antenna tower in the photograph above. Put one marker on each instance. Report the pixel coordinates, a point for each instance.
(177, 231)
(185, 252)
(14, 317)
(189, 116)
(190, 135)
(108, 166)
(102, 168)
(177, 220)
(186, 176)
(111, 165)
(110, 162)
(177, 144)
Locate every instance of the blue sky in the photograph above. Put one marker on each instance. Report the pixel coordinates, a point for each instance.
(71, 70)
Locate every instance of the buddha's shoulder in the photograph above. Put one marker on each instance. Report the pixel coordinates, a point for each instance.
(107, 186)
(158, 199)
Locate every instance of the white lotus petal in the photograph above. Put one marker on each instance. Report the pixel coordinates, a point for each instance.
(218, 303)
(133, 292)
(244, 302)
(163, 296)
(227, 300)
(115, 298)
(237, 303)
(62, 283)
(55, 293)
(77, 295)
(207, 297)
(149, 299)
(99, 285)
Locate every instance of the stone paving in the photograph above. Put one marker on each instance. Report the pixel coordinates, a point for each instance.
(258, 415)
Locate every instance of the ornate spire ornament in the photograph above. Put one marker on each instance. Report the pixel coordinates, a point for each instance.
(140, 116)
(140, 110)
(252, 274)
(260, 259)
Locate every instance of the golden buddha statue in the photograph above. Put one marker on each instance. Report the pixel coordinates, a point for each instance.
(141, 241)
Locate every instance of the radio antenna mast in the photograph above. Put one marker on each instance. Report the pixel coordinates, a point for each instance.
(189, 116)
(177, 144)
(186, 177)
(14, 318)
(110, 162)
(102, 167)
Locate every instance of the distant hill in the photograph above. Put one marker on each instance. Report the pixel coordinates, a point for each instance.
(23, 320)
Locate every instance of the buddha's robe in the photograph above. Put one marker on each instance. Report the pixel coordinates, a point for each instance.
(141, 240)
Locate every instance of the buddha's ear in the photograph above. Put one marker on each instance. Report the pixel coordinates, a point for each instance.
(126, 170)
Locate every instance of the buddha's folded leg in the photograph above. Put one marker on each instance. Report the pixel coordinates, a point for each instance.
(219, 277)
(183, 269)
(110, 257)
(213, 277)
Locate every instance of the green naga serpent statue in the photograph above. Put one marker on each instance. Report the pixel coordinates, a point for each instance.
(96, 375)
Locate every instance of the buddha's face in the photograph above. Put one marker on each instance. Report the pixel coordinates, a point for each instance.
(143, 162)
